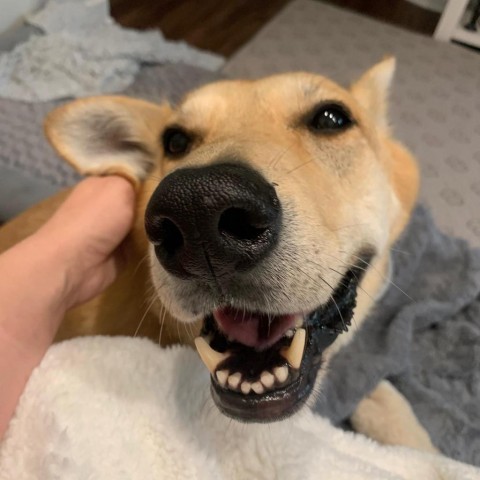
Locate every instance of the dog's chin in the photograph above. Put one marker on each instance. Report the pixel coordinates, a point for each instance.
(266, 372)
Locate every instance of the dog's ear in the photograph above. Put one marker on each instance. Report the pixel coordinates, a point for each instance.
(372, 90)
(108, 135)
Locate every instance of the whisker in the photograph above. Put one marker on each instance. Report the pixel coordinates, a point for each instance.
(277, 158)
(359, 286)
(300, 166)
(140, 263)
(162, 308)
(191, 333)
(162, 323)
(382, 276)
(144, 316)
(330, 294)
(400, 251)
(390, 281)
(336, 306)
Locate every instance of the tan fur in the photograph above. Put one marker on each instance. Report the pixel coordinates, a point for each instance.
(386, 416)
(344, 190)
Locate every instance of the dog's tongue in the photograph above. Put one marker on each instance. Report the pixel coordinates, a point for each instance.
(257, 330)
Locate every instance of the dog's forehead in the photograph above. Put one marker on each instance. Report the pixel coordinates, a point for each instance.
(284, 92)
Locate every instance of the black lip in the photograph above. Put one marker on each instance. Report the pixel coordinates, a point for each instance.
(323, 326)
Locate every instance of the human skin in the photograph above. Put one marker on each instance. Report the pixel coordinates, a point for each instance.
(72, 258)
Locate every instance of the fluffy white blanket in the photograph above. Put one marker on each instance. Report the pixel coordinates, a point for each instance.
(122, 408)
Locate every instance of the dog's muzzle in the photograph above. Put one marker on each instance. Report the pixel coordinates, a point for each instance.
(211, 225)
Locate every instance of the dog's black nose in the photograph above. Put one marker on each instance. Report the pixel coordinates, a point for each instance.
(213, 221)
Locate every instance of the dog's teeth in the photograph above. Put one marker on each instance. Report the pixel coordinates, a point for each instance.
(267, 379)
(257, 387)
(222, 376)
(281, 373)
(234, 380)
(245, 387)
(298, 321)
(210, 357)
(289, 333)
(294, 353)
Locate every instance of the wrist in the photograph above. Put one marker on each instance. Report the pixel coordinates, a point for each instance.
(31, 311)
(32, 292)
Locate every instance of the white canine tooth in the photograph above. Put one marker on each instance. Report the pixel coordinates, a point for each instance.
(294, 353)
(210, 357)
(234, 380)
(257, 387)
(298, 321)
(281, 373)
(267, 379)
(245, 387)
(222, 376)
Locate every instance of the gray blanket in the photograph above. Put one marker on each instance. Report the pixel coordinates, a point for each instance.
(427, 345)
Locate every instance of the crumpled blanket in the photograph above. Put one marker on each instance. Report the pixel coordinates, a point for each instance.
(80, 51)
(124, 409)
(423, 336)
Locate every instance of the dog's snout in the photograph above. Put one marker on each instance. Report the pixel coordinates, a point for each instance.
(213, 221)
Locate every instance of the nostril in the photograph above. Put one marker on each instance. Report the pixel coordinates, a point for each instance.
(241, 224)
(170, 237)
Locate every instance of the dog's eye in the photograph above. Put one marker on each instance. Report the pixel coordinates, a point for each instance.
(176, 141)
(329, 119)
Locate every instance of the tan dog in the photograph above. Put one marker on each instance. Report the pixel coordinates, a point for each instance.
(270, 208)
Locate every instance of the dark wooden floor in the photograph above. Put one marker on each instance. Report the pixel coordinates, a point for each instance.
(223, 26)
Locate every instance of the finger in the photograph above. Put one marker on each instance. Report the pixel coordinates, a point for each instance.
(96, 216)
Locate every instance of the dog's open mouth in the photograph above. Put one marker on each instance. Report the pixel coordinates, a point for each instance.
(263, 367)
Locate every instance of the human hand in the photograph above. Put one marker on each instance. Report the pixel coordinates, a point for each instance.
(68, 261)
(73, 257)
(84, 234)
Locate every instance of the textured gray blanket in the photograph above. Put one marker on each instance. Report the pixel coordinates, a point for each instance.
(427, 345)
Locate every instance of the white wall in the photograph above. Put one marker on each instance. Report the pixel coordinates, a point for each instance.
(12, 12)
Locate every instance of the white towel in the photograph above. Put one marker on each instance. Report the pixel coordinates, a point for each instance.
(122, 408)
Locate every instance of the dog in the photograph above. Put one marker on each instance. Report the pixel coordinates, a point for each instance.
(266, 211)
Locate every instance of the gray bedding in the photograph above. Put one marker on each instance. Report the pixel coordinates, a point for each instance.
(427, 345)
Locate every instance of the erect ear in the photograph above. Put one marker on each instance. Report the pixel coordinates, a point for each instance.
(108, 135)
(372, 90)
